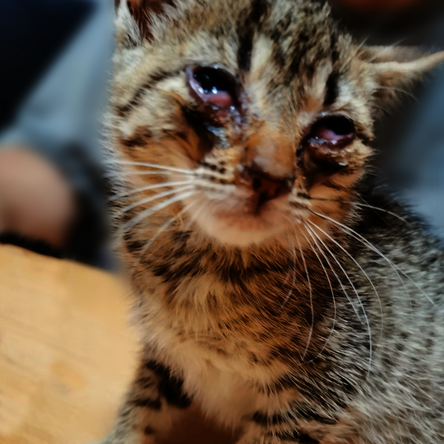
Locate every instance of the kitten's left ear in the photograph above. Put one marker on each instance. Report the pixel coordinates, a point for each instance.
(392, 68)
(138, 14)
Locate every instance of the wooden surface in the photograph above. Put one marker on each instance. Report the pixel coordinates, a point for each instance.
(67, 354)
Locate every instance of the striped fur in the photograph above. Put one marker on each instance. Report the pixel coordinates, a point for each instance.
(283, 324)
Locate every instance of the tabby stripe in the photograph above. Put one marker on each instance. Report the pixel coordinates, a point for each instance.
(301, 438)
(146, 383)
(299, 51)
(332, 89)
(334, 186)
(140, 137)
(170, 387)
(246, 34)
(264, 419)
(154, 404)
(152, 81)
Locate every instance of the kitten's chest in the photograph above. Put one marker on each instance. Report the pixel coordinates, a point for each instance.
(217, 345)
(226, 385)
(223, 372)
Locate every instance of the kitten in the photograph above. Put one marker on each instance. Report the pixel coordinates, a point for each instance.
(274, 289)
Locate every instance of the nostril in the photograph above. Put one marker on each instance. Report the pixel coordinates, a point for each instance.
(257, 184)
(264, 185)
(263, 197)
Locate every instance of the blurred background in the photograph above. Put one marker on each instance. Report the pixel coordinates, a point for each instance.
(55, 67)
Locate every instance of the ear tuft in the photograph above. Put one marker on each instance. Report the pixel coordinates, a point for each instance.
(142, 12)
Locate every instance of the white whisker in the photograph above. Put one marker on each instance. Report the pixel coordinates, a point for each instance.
(359, 266)
(369, 245)
(367, 322)
(154, 165)
(364, 205)
(150, 187)
(161, 229)
(192, 218)
(150, 211)
(311, 297)
(332, 294)
(290, 292)
(151, 173)
(342, 269)
(151, 198)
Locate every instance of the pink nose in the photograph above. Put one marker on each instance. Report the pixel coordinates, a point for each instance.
(264, 185)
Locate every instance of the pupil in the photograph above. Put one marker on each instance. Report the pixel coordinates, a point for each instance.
(339, 125)
(211, 82)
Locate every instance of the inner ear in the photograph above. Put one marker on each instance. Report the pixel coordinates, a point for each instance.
(142, 12)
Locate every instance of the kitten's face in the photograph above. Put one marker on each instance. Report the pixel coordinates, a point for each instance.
(258, 112)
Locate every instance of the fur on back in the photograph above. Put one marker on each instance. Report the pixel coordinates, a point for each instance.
(315, 316)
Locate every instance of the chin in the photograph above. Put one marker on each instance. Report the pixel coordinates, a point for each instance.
(242, 229)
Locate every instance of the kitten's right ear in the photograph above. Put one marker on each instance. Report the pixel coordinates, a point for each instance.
(135, 18)
(392, 69)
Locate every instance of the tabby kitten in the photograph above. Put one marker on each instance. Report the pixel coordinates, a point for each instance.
(275, 289)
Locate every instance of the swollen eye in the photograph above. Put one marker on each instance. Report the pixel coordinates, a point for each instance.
(215, 87)
(331, 133)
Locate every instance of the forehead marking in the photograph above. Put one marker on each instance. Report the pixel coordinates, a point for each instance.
(331, 89)
(246, 32)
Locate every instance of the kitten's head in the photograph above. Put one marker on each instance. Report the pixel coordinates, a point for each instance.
(259, 113)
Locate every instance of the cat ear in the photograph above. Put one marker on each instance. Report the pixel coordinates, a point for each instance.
(136, 16)
(396, 68)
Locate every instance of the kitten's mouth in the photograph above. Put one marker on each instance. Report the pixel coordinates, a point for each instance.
(245, 222)
(255, 206)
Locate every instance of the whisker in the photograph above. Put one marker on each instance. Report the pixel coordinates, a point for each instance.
(193, 218)
(287, 277)
(369, 245)
(161, 229)
(154, 165)
(341, 268)
(148, 188)
(366, 205)
(359, 266)
(151, 173)
(290, 292)
(151, 198)
(332, 294)
(150, 211)
(334, 272)
(357, 296)
(311, 297)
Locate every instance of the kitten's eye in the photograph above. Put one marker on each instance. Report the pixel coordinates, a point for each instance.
(215, 87)
(331, 133)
